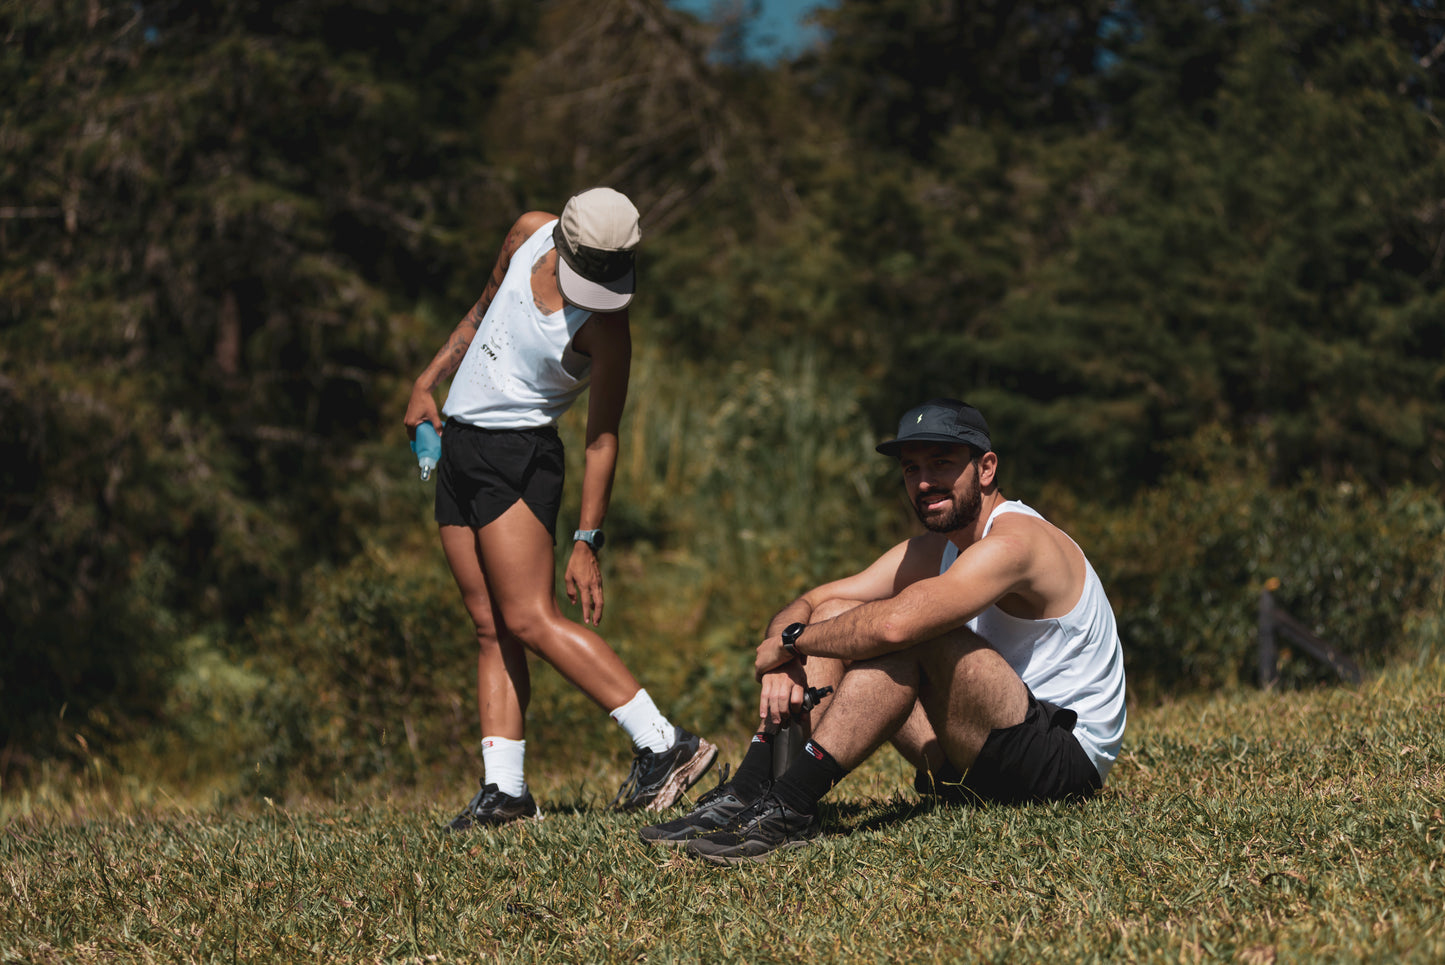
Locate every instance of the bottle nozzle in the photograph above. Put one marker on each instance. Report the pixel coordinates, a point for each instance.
(428, 449)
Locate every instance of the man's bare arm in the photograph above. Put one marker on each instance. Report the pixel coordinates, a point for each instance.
(880, 580)
(920, 610)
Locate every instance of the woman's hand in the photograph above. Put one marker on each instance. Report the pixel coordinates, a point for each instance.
(584, 582)
(421, 408)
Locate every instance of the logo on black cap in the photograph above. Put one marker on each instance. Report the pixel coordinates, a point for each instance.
(947, 421)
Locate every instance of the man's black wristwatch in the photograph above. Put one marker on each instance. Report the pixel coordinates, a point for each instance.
(592, 537)
(791, 633)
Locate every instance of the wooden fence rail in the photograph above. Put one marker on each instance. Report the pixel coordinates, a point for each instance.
(1275, 622)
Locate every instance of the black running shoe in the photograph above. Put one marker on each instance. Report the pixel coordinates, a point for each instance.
(715, 810)
(492, 807)
(758, 830)
(656, 781)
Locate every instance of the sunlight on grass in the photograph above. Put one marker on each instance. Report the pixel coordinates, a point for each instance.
(1251, 827)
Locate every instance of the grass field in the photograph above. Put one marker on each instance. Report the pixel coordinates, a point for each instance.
(1248, 827)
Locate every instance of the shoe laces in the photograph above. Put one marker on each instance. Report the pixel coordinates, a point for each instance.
(474, 809)
(490, 797)
(755, 811)
(640, 764)
(476, 802)
(719, 790)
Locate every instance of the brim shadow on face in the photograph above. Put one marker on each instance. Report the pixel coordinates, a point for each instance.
(963, 513)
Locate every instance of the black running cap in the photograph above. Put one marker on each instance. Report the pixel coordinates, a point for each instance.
(946, 421)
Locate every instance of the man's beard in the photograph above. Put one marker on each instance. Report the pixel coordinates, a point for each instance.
(963, 514)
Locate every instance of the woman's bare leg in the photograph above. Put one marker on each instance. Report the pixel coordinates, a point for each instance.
(517, 562)
(503, 680)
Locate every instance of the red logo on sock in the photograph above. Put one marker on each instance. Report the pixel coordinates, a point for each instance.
(814, 750)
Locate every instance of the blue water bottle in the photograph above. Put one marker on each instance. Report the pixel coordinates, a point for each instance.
(428, 448)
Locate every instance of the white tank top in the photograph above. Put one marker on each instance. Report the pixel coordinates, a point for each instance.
(521, 370)
(1073, 661)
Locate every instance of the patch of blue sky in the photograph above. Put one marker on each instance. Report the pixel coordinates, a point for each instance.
(775, 29)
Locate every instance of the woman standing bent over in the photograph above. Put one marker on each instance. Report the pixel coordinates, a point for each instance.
(552, 321)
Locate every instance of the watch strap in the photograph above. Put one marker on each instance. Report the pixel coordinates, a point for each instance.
(791, 633)
(592, 537)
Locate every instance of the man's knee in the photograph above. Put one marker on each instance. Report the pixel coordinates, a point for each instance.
(829, 609)
(970, 662)
(967, 683)
(960, 651)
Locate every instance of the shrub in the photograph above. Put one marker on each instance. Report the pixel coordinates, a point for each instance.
(1185, 563)
(371, 676)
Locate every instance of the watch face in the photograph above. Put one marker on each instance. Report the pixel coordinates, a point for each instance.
(598, 538)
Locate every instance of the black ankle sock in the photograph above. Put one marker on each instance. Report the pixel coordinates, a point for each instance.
(756, 770)
(811, 776)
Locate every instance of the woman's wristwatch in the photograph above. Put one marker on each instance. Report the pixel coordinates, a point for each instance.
(592, 537)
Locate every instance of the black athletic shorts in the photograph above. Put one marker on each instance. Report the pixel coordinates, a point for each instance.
(1037, 760)
(483, 472)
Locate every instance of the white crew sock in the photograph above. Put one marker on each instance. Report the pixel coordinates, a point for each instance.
(502, 759)
(643, 722)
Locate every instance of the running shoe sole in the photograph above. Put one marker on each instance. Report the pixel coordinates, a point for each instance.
(480, 825)
(666, 842)
(692, 832)
(768, 825)
(511, 810)
(684, 777)
(730, 859)
(537, 816)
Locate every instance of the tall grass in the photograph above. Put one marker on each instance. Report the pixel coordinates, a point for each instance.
(1252, 827)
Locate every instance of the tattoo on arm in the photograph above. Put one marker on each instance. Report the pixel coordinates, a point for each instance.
(448, 360)
(536, 270)
(451, 354)
(479, 310)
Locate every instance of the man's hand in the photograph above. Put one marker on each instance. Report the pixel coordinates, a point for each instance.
(771, 655)
(584, 582)
(782, 695)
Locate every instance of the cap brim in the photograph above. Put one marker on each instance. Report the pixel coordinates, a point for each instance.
(894, 446)
(594, 296)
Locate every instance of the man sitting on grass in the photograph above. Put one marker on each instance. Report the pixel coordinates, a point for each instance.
(984, 649)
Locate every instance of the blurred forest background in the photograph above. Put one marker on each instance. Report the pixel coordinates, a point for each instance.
(1186, 256)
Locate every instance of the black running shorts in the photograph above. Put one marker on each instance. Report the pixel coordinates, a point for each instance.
(1038, 760)
(483, 472)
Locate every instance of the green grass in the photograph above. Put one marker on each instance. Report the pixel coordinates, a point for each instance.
(1246, 827)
